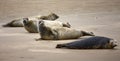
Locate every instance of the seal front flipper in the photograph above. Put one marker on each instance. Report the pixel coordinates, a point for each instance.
(38, 39)
(87, 33)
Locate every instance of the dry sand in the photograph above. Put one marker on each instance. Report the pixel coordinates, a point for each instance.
(99, 16)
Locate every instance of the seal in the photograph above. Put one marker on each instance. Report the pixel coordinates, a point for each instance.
(51, 16)
(95, 42)
(32, 25)
(19, 22)
(49, 23)
(59, 32)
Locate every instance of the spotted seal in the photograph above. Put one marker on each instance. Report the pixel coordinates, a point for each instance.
(58, 33)
(95, 42)
(32, 26)
(51, 16)
(19, 22)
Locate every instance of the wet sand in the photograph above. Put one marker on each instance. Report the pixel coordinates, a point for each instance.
(99, 16)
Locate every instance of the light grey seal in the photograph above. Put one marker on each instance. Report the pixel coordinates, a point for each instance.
(32, 26)
(51, 16)
(19, 22)
(59, 33)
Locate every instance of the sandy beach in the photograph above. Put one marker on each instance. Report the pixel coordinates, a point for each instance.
(99, 16)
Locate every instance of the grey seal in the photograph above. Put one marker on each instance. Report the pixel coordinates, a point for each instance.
(32, 26)
(51, 16)
(95, 42)
(59, 32)
(19, 22)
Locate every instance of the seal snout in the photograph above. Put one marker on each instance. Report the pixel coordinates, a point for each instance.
(113, 43)
(25, 20)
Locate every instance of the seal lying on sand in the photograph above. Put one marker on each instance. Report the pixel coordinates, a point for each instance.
(51, 16)
(19, 22)
(55, 23)
(58, 33)
(32, 26)
(96, 42)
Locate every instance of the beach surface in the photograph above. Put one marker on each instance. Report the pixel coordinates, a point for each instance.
(102, 17)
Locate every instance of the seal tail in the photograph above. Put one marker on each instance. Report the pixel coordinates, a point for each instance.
(60, 46)
(5, 25)
(9, 24)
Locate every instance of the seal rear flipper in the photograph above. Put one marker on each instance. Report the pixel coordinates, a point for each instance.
(5, 25)
(60, 46)
(10, 24)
